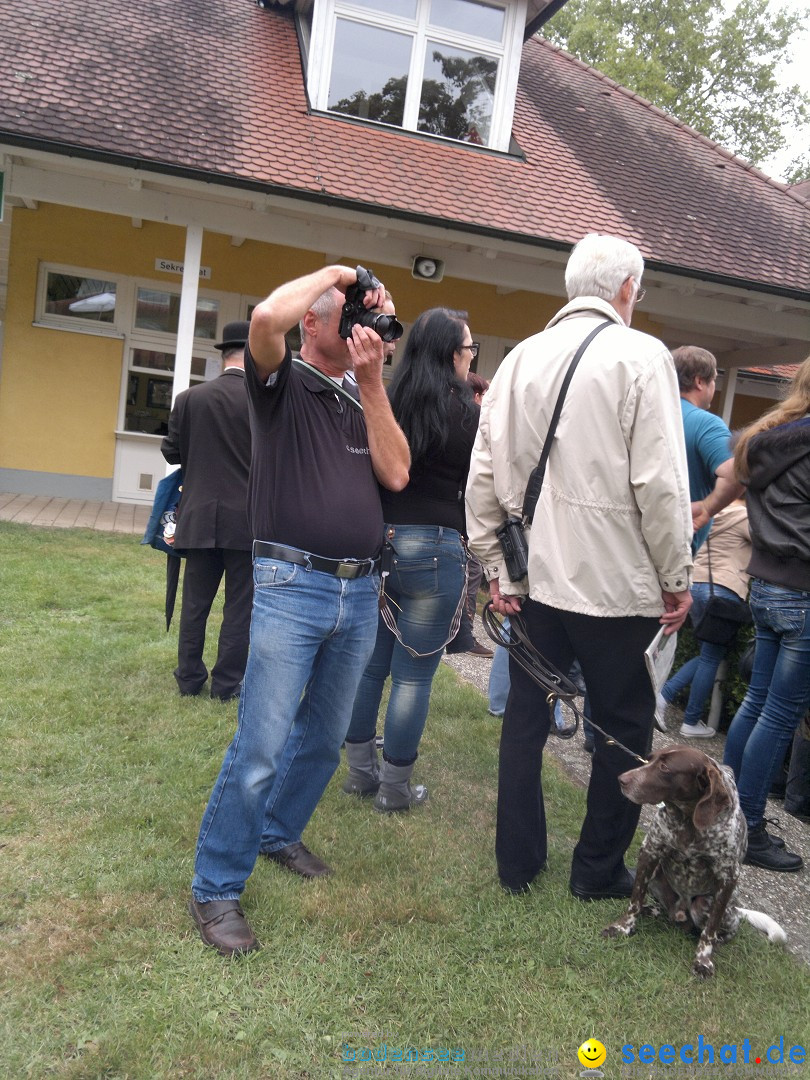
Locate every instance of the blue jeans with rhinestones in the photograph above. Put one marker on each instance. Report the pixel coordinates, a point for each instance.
(425, 585)
(778, 694)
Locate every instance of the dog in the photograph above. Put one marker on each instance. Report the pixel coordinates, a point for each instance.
(690, 858)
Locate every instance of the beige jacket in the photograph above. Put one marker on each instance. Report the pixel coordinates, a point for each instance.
(613, 524)
(730, 544)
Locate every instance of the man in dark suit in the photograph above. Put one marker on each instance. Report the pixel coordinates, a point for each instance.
(209, 436)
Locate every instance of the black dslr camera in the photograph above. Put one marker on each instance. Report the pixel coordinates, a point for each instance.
(354, 312)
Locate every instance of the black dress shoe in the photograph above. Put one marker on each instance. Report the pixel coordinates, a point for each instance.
(519, 888)
(618, 889)
(223, 926)
(234, 696)
(299, 860)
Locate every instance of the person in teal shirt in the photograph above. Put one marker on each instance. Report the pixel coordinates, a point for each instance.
(712, 484)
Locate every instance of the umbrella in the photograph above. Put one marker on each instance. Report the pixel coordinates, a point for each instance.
(167, 497)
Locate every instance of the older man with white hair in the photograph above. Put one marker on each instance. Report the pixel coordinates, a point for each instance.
(609, 549)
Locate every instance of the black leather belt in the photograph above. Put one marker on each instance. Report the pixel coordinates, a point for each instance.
(343, 568)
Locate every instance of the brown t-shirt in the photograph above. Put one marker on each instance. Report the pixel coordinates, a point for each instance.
(311, 482)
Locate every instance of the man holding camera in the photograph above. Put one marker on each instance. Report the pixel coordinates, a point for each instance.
(608, 553)
(314, 509)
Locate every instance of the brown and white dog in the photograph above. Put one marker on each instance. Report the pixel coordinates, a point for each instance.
(690, 858)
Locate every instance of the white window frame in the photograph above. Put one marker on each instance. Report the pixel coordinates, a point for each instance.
(75, 325)
(508, 55)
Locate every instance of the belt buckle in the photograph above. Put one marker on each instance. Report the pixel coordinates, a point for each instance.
(348, 568)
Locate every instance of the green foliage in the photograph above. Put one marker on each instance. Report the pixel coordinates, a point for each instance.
(712, 68)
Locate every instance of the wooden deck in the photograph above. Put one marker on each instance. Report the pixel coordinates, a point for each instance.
(53, 512)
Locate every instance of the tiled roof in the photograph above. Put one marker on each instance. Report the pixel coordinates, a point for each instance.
(216, 86)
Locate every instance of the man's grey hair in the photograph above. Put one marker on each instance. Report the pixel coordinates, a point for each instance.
(322, 308)
(599, 265)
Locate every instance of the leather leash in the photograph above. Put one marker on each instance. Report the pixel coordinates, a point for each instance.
(556, 685)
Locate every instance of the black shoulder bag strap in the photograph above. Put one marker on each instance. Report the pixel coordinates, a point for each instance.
(535, 484)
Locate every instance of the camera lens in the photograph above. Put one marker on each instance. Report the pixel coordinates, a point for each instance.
(389, 328)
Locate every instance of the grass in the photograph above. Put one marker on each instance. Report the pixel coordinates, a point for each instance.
(105, 774)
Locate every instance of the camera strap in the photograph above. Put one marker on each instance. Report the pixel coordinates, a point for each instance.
(535, 484)
(330, 383)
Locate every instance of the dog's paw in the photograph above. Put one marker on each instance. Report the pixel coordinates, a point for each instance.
(652, 911)
(703, 968)
(622, 928)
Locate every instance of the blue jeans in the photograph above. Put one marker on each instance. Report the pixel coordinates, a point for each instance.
(778, 694)
(700, 672)
(310, 639)
(425, 584)
(498, 689)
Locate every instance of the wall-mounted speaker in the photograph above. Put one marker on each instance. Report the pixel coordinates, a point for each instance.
(426, 268)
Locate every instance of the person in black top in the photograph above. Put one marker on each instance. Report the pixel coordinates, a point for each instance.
(772, 458)
(424, 527)
(314, 510)
(209, 437)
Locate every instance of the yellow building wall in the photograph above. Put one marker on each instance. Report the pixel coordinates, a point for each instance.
(60, 390)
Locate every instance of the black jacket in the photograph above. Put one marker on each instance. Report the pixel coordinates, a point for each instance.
(778, 501)
(209, 435)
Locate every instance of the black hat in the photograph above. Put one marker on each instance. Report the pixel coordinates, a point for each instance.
(234, 335)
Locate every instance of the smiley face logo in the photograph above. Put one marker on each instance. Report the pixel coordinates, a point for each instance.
(592, 1054)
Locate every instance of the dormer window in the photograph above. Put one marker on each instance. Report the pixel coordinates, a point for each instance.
(442, 67)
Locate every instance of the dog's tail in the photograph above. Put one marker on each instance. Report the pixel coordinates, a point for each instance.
(764, 923)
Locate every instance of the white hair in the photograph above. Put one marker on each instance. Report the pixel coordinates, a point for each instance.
(322, 308)
(599, 265)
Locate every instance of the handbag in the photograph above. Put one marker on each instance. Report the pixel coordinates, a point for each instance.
(511, 534)
(723, 615)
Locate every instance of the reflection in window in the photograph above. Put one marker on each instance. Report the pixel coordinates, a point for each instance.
(153, 360)
(481, 20)
(85, 298)
(159, 310)
(369, 72)
(458, 91)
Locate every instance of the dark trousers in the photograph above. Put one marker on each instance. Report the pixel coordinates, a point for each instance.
(611, 654)
(203, 574)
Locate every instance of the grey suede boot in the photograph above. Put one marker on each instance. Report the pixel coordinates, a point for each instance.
(364, 768)
(395, 791)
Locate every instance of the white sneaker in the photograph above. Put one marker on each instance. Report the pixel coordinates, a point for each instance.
(661, 704)
(697, 731)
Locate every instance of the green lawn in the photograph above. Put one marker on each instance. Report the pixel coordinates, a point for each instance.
(105, 774)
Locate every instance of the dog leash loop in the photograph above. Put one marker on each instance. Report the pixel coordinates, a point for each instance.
(556, 685)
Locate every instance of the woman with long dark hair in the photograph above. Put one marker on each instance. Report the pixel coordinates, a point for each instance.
(426, 557)
(772, 458)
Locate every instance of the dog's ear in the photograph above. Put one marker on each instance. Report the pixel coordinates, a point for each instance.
(715, 798)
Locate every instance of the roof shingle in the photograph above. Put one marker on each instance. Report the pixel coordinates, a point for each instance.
(216, 86)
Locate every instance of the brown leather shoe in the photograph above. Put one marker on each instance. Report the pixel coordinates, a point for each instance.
(299, 860)
(481, 650)
(223, 926)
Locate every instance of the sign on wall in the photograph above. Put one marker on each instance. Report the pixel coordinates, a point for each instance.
(171, 266)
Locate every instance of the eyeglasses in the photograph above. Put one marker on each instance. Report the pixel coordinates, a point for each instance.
(640, 294)
(473, 347)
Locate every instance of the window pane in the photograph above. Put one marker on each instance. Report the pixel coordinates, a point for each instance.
(369, 72)
(406, 9)
(481, 20)
(80, 298)
(158, 310)
(164, 361)
(457, 94)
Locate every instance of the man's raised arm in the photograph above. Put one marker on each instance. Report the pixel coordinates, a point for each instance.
(286, 306)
